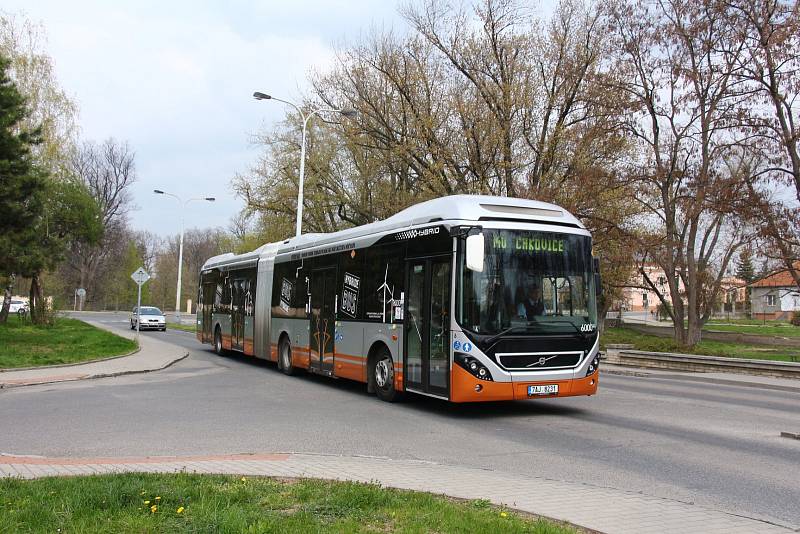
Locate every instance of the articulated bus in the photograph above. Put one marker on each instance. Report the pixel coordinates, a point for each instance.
(464, 298)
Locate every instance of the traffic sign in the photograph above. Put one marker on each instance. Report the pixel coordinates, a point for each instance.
(81, 292)
(140, 276)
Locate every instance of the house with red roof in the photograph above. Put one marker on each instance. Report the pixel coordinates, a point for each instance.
(775, 297)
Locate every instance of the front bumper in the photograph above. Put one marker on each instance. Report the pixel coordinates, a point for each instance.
(152, 326)
(464, 388)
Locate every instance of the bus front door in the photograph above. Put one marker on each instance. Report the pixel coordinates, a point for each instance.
(323, 297)
(427, 326)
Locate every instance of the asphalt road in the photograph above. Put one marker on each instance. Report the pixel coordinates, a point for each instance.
(713, 444)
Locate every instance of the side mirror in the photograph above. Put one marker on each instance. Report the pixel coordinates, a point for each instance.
(475, 253)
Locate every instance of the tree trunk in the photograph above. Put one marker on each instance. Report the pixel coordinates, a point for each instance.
(694, 332)
(7, 299)
(37, 304)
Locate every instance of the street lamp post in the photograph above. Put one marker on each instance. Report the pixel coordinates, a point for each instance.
(180, 246)
(306, 118)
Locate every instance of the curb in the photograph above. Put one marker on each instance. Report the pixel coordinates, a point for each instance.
(634, 510)
(60, 365)
(642, 372)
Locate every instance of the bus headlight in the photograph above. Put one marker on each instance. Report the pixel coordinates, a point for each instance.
(594, 366)
(473, 366)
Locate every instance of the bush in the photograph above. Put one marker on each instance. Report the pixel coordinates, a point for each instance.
(796, 318)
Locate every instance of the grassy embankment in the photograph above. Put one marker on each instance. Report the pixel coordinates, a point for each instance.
(706, 347)
(213, 503)
(23, 344)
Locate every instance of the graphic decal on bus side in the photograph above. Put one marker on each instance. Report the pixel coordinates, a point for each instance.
(387, 300)
(287, 290)
(350, 294)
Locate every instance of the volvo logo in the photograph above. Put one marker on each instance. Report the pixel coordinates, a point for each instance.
(541, 361)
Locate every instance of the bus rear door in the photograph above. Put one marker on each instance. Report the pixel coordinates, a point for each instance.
(323, 303)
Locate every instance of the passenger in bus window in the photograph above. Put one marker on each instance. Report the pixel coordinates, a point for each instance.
(532, 305)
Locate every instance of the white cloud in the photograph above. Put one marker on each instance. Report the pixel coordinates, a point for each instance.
(176, 80)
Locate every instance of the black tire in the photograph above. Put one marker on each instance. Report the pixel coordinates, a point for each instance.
(218, 342)
(164, 329)
(285, 357)
(382, 374)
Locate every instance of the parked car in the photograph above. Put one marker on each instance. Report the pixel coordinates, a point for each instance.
(20, 307)
(152, 319)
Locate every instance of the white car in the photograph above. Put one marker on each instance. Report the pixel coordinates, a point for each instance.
(18, 306)
(152, 319)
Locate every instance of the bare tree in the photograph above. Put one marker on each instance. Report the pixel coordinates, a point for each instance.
(679, 61)
(770, 66)
(108, 169)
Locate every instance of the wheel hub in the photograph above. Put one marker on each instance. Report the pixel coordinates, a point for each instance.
(382, 373)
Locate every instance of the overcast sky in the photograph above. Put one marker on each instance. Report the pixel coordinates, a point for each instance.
(175, 80)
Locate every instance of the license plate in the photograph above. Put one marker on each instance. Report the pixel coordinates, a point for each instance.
(548, 389)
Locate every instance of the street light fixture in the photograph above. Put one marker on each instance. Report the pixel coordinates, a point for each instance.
(180, 247)
(306, 117)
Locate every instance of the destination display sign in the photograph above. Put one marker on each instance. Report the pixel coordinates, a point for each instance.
(529, 242)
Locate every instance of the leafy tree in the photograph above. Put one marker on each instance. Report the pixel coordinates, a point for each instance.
(744, 267)
(71, 214)
(52, 111)
(746, 271)
(22, 183)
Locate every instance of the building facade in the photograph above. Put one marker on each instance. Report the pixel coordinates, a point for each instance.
(775, 297)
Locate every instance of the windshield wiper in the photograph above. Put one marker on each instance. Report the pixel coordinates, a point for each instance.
(543, 323)
(573, 325)
(507, 331)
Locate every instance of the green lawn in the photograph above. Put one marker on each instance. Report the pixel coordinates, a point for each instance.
(770, 329)
(706, 347)
(66, 341)
(214, 503)
(184, 326)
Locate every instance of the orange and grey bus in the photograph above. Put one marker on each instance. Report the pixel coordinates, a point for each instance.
(464, 298)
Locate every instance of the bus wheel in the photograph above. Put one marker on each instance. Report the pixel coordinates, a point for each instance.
(383, 376)
(218, 341)
(285, 358)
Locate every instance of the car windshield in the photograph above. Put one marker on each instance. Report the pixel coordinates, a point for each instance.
(150, 311)
(532, 282)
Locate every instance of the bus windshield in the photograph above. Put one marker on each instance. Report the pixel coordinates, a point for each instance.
(535, 283)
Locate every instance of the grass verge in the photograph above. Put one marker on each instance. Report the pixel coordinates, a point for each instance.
(184, 327)
(140, 502)
(653, 343)
(23, 344)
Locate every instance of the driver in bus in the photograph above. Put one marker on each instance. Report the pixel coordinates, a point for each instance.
(532, 304)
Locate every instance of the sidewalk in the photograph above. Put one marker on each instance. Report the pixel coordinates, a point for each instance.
(153, 355)
(602, 509)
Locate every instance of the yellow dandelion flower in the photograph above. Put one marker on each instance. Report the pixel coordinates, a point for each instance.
(244, 479)
(143, 492)
(503, 514)
(147, 502)
(158, 498)
(153, 509)
(180, 510)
